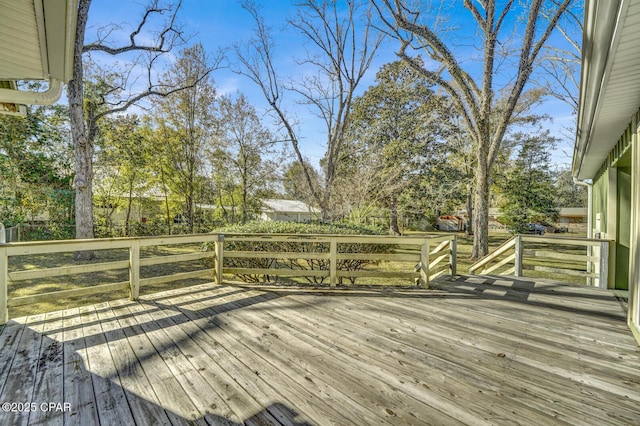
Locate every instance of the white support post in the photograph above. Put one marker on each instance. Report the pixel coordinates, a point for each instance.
(333, 262)
(453, 256)
(218, 260)
(4, 284)
(134, 270)
(519, 252)
(603, 279)
(424, 264)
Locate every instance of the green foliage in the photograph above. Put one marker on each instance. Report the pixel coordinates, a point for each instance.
(49, 232)
(241, 157)
(397, 133)
(568, 193)
(527, 189)
(298, 229)
(123, 170)
(185, 124)
(295, 183)
(35, 167)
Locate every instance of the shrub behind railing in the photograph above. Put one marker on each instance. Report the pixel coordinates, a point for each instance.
(310, 263)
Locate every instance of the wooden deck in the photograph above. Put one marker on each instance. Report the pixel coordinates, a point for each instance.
(478, 350)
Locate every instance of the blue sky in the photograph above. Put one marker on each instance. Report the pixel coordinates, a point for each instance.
(220, 23)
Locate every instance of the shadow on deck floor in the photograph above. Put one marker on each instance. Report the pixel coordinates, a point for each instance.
(474, 350)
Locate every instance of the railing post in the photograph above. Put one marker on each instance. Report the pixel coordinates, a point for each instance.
(134, 269)
(4, 283)
(453, 255)
(519, 252)
(603, 278)
(218, 260)
(333, 262)
(424, 264)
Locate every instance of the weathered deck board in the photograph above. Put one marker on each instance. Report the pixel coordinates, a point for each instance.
(128, 373)
(478, 350)
(22, 370)
(78, 381)
(49, 381)
(110, 398)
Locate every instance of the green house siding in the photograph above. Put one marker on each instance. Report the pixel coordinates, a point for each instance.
(623, 234)
(612, 202)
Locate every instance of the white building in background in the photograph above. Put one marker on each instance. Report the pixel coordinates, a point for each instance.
(288, 211)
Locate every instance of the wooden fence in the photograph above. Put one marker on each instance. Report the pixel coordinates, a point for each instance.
(584, 259)
(433, 255)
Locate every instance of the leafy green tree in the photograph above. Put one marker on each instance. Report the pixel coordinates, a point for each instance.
(398, 127)
(123, 164)
(35, 166)
(487, 93)
(245, 148)
(186, 121)
(295, 184)
(528, 193)
(568, 194)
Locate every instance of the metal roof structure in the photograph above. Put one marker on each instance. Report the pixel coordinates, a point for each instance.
(287, 206)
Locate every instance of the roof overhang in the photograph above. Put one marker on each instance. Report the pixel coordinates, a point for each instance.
(610, 81)
(36, 43)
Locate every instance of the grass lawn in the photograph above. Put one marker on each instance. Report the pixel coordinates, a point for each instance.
(54, 260)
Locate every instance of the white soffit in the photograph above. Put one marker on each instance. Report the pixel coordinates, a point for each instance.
(22, 50)
(618, 85)
(36, 43)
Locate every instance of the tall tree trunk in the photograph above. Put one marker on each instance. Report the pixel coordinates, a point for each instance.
(393, 217)
(166, 200)
(481, 210)
(189, 203)
(244, 197)
(469, 210)
(325, 214)
(82, 144)
(127, 221)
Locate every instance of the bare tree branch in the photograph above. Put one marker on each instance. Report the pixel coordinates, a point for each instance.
(486, 115)
(344, 54)
(166, 40)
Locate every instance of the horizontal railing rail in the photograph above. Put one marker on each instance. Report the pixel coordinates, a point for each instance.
(586, 258)
(133, 264)
(434, 255)
(430, 255)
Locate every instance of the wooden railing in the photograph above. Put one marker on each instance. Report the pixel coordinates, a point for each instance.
(587, 259)
(133, 264)
(434, 256)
